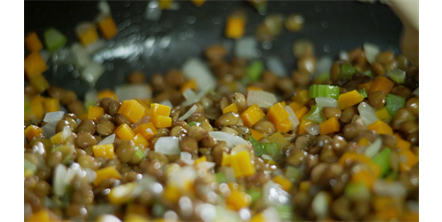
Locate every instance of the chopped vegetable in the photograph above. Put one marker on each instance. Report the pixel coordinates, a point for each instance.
(51, 105)
(168, 145)
(158, 109)
(367, 113)
(106, 173)
(260, 98)
(301, 112)
(374, 148)
(285, 183)
(107, 27)
(292, 117)
(54, 39)
(242, 164)
(107, 93)
(94, 112)
(133, 110)
(225, 160)
(161, 121)
(106, 150)
(407, 160)
(383, 114)
(35, 65)
(30, 168)
(347, 71)
(302, 126)
(230, 139)
(121, 194)
(394, 103)
(382, 159)
(191, 84)
(40, 83)
(371, 52)
(124, 132)
(147, 130)
(380, 127)
(231, 108)
(238, 200)
(348, 99)
(397, 75)
(92, 72)
(200, 160)
(284, 126)
(254, 71)
(363, 92)
(381, 83)
(87, 33)
(259, 148)
(315, 114)
(302, 97)
(252, 115)
(365, 86)
(402, 144)
(279, 139)
(33, 43)
(235, 27)
(324, 91)
(277, 114)
(292, 172)
(329, 126)
(134, 91)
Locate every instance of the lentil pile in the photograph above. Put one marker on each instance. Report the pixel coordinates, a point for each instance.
(257, 147)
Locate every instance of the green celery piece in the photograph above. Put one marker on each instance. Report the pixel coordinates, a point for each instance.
(368, 73)
(357, 191)
(254, 193)
(394, 103)
(54, 39)
(315, 114)
(347, 71)
(323, 77)
(220, 178)
(30, 166)
(140, 154)
(259, 148)
(397, 75)
(382, 159)
(363, 92)
(292, 172)
(324, 91)
(285, 212)
(192, 124)
(254, 71)
(271, 149)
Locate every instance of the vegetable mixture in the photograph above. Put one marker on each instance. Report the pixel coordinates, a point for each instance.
(224, 140)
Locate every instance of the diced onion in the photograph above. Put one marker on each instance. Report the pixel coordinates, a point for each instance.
(320, 204)
(374, 148)
(58, 186)
(371, 51)
(49, 129)
(195, 68)
(261, 98)
(53, 116)
(189, 94)
(188, 113)
(292, 117)
(66, 132)
(167, 103)
(133, 91)
(392, 189)
(91, 175)
(104, 7)
(81, 55)
(326, 102)
(343, 55)
(274, 195)
(206, 165)
(45, 55)
(323, 65)
(168, 145)
(416, 92)
(197, 97)
(153, 11)
(230, 139)
(92, 72)
(187, 158)
(182, 176)
(246, 47)
(107, 218)
(367, 113)
(312, 129)
(275, 65)
(90, 98)
(108, 140)
(96, 46)
(271, 214)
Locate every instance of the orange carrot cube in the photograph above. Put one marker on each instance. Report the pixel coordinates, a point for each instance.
(283, 126)
(52, 105)
(95, 112)
(35, 65)
(159, 109)
(33, 43)
(277, 114)
(380, 127)
(32, 132)
(124, 132)
(147, 130)
(105, 150)
(329, 126)
(252, 115)
(348, 99)
(161, 121)
(106, 173)
(231, 108)
(132, 109)
(107, 27)
(381, 83)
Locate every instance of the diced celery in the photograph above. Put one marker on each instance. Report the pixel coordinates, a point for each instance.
(324, 91)
(259, 148)
(368, 73)
(347, 71)
(394, 103)
(363, 92)
(140, 154)
(254, 71)
(397, 75)
(357, 191)
(315, 114)
(271, 149)
(254, 193)
(54, 39)
(382, 159)
(29, 167)
(220, 178)
(192, 124)
(285, 212)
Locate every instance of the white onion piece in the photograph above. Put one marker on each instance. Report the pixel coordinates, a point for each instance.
(133, 91)
(275, 65)
(195, 68)
(343, 55)
(91, 175)
(206, 165)
(80, 54)
(49, 129)
(230, 139)
(167, 103)
(65, 56)
(66, 132)
(292, 117)
(58, 185)
(187, 158)
(108, 140)
(189, 94)
(416, 92)
(168, 145)
(53, 116)
(153, 11)
(261, 98)
(104, 7)
(320, 204)
(107, 218)
(323, 65)
(188, 113)
(374, 148)
(274, 195)
(45, 55)
(326, 102)
(182, 176)
(392, 189)
(90, 98)
(197, 97)
(367, 113)
(246, 47)
(371, 51)
(271, 214)
(229, 174)
(312, 129)
(96, 46)
(149, 183)
(92, 72)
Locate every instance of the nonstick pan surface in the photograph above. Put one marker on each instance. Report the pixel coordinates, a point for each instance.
(155, 47)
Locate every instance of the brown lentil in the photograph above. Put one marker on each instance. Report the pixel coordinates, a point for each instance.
(239, 100)
(85, 139)
(137, 77)
(120, 119)
(348, 114)
(126, 150)
(377, 99)
(330, 112)
(413, 105)
(86, 126)
(175, 78)
(264, 126)
(105, 127)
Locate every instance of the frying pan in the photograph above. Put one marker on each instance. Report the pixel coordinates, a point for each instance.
(332, 25)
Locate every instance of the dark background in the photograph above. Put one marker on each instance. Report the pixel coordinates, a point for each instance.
(333, 25)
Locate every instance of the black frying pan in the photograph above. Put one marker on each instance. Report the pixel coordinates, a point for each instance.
(331, 25)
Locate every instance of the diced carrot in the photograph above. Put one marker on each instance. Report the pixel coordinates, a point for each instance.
(32, 132)
(353, 156)
(132, 109)
(95, 112)
(147, 130)
(172, 193)
(191, 84)
(159, 109)
(35, 65)
(161, 121)
(302, 125)
(363, 142)
(305, 185)
(40, 216)
(365, 86)
(386, 208)
(301, 112)
(295, 106)
(252, 115)
(348, 99)
(87, 34)
(285, 183)
(381, 83)
(107, 27)
(235, 27)
(409, 216)
(256, 134)
(121, 194)
(242, 164)
(329, 126)
(146, 108)
(52, 105)
(104, 150)
(283, 103)
(364, 177)
(200, 160)
(106, 173)
(383, 114)
(58, 138)
(407, 160)
(107, 93)
(133, 217)
(284, 126)
(165, 4)
(37, 106)
(235, 187)
(140, 141)
(238, 200)
(33, 43)
(259, 217)
(402, 144)
(225, 161)
(40, 83)
(124, 132)
(277, 114)
(198, 2)
(137, 209)
(231, 108)
(301, 97)
(380, 127)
